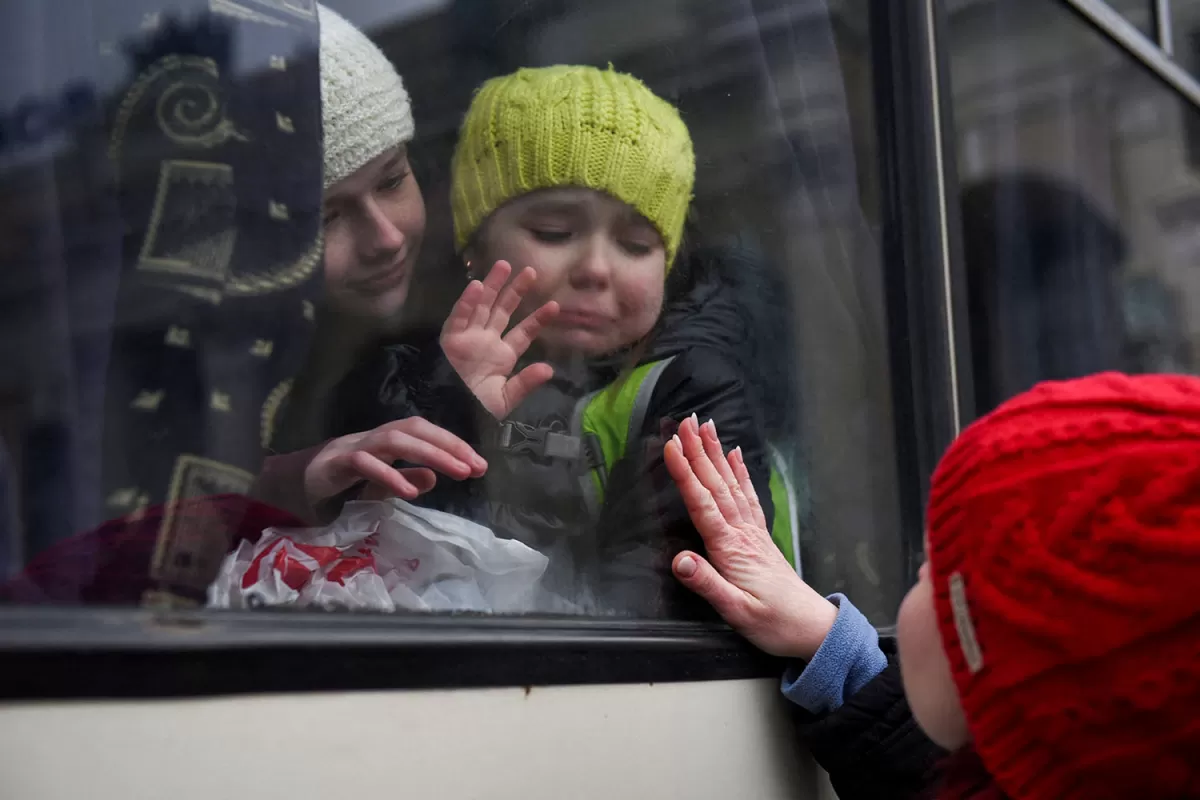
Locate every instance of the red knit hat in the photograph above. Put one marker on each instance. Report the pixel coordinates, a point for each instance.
(1064, 550)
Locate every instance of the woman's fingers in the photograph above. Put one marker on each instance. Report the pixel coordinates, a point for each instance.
(510, 299)
(521, 385)
(716, 454)
(525, 331)
(374, 491)
(395, 445)
(696, 573)
(365, 465)
(421, 478)
(699, 501)
(423, 429)
(706, 472)
(738, 464)
(370, 456)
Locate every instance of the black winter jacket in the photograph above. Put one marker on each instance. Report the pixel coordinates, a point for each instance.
(616, 562)
(871, 746)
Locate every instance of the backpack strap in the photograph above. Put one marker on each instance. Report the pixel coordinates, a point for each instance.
(785, 528)
(608, 420)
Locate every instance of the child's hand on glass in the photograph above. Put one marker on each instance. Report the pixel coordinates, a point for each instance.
(475, 341)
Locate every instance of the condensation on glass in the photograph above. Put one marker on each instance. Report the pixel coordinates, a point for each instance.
(168, 324)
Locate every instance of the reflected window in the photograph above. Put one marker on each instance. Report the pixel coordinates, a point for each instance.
(1185, 34)
(1078, 202)
(1140, 14)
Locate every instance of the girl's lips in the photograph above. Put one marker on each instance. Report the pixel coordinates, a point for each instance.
(581, 319)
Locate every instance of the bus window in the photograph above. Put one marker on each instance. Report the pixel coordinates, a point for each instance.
(262, 353)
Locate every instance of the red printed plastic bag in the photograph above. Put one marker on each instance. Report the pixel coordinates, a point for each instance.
(382, 556)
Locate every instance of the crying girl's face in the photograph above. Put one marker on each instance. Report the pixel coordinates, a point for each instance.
(603, 263)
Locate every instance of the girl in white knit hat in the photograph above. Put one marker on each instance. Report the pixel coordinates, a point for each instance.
(374, 215)
(374, 224)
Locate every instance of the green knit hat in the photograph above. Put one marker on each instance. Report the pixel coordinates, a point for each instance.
(572, 126)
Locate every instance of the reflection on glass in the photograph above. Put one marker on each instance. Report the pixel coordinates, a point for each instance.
(1185, 33)
(699, 217)
(159, 176)
(1079, 202)
(1140, 14)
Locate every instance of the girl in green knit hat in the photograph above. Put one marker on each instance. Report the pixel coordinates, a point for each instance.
(570, 187)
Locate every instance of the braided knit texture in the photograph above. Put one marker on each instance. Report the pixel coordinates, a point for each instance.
(1070, 517)
(572, 126)
(365, 109)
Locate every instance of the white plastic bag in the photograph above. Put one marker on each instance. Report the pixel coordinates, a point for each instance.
(382, 556)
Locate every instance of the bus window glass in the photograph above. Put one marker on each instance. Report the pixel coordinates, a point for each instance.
(236, 234)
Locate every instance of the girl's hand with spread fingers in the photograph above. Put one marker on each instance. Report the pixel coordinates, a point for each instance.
(481, 348)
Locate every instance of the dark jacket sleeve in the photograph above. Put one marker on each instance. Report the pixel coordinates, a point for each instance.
(411, 378)
(871, 746)
(644, 522)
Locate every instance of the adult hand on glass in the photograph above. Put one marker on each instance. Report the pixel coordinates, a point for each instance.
(369, 456)
(475, 341)
(745, 578)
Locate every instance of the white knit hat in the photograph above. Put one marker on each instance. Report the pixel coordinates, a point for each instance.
(364, 107)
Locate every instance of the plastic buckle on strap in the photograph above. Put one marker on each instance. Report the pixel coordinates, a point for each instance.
(516, 437)
(512, 437)
(560, 445)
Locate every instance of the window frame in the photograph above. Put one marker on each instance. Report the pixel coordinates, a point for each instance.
(1157, 56)
(90, 652)
(58, 653)
(926, 299)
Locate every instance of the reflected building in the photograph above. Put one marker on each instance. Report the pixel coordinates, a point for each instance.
(1113, 283)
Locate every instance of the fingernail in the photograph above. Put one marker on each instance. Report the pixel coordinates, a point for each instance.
(686, 566)
(711, 427)
(677, 441)
(737, 453)
(695, 421)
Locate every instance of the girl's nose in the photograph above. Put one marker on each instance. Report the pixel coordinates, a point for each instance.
(593, 266)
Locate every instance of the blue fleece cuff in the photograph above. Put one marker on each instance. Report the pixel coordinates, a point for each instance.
(847, 660)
